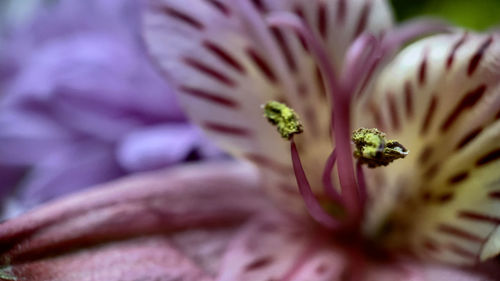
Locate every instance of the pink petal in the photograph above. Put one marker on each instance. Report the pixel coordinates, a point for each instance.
(152, 258)
(201, 195)
(277, 247)
(274, 247)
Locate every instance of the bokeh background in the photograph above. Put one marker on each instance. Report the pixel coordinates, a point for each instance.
(81, 104)
(477, 15)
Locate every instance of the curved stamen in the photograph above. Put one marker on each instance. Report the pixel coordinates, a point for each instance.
(312, 204)
(328, 186)
(341, 113)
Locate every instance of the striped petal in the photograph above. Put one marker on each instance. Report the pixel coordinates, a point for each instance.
(275, 247)
(226, 62)
(440, 98)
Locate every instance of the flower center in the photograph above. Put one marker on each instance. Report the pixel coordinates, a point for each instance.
(361, 59)
(371, 149)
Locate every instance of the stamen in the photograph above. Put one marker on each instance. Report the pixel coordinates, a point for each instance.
(328, 186)
(374, 150)
(284, 118)
(313, 206)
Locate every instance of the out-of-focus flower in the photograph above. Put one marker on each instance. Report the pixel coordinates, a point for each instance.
(226, 59)
(81, 104)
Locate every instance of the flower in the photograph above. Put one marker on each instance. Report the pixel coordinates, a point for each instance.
(83, 105)
(228, 58)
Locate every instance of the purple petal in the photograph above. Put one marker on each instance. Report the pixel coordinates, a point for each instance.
(66, 171)
(27, 137)
(159, 146)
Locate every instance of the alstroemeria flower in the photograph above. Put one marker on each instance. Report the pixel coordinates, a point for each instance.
(226, 59)
(437, 98)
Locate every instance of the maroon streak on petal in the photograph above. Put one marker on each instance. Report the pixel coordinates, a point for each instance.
(224, 56)
(182, 17)
(209, 71)
(422, 72)
(285, 49)
(220, 6)
(262, 65)
(208, 96)
(478, 56)
(408, 99)
(259, 5)
(429, 115)
(454, 231)
(457, 178)
(393, 110)
(363, 18)
(162, 202)
(468, 101)
(451, 57)
(322, 19)
(494, 195)
(226, 129)
(489, 157)
(474, 216)
(341, 11)
(460, 251)
(468, 138)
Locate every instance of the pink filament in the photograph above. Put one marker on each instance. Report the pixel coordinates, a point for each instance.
(362, 52)
(361, 183)
(312, 204)
(327, 178)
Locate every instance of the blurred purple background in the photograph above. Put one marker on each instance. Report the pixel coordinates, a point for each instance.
(80, 103)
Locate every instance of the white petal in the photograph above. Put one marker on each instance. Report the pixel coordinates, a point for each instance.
(224, 69)
(441, 99)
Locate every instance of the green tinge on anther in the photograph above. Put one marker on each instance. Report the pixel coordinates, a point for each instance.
(284, 118)
(374, 150)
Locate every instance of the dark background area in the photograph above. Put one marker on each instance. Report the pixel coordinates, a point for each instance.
(477, 15)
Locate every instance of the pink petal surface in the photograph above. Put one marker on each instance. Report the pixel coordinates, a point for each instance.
(279, 248)
(151, 258)
(203, 195)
